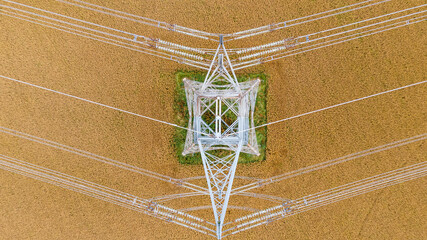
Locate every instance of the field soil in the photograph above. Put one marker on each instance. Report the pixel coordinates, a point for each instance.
(143, 84)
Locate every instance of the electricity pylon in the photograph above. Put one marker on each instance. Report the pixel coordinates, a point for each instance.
(221, 118)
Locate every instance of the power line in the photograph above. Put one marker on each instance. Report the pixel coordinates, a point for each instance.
(150, 46)
(116, 43)
(142, 20)
(176, 181)
(295, 22)
(329, 196)
(206, 35)
(106, 194)
(332, 42)
(336, 105)
(96, 157)
(217, 163)
(300, 39)
(63, 16)
(96, 103)
(307, 39)
(330, 163)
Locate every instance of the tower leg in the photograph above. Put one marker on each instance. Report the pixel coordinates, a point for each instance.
(220, 169)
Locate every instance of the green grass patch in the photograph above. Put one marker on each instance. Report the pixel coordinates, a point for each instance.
(181, 116)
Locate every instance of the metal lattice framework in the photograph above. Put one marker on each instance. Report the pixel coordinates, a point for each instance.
(221, 113)
(221, 119)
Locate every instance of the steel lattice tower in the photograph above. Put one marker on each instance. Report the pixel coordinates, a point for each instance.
(221, 116)
(221, 112)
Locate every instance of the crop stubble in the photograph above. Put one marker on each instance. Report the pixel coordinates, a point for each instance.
(145, 85)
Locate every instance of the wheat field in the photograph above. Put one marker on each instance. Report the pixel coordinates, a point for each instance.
(144, 84)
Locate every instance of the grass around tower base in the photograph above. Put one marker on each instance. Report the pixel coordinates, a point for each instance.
(181, 117)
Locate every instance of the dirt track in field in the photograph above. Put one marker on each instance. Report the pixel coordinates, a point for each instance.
(144, 84)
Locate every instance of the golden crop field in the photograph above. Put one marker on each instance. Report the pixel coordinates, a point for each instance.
(144, 84)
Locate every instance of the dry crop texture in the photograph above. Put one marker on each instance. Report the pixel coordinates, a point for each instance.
(143, 84)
